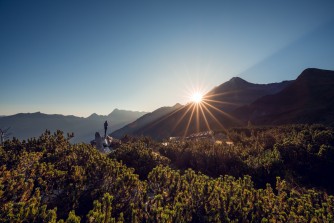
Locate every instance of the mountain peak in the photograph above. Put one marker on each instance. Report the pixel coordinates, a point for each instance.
(177, 105)
(233, 83)
(311, 73)
(94, 115)
(120, 113)
(117, 111)
(237, 79)
(308, 99)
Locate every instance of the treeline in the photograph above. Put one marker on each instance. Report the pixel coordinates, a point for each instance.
(50, 180)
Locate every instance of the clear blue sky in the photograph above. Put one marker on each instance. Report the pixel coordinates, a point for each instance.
(76, 57)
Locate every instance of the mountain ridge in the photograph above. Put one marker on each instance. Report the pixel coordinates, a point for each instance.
(145, 119)
(311, 93)
(225, 97)
(28, 125)
(307, 99)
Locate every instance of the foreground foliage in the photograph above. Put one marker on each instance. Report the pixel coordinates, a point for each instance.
(138, 153)
(50, 171)
(49, 180)
(301, 154)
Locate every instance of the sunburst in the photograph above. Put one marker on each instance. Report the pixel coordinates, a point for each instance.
(197, 97)
(200, 112)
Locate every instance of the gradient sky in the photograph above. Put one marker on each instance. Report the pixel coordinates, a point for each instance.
(77, 57)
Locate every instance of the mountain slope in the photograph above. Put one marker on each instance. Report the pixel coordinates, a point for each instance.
(213, 113)
(146, 119)
(237, 92)
(309, 99)
(27, 125)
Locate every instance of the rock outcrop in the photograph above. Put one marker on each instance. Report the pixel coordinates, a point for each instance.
(102, 144)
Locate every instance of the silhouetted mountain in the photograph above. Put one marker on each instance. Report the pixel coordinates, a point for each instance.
(134, 127)
(309, 99)
(27, 125)
(123, 116)
(238, 92)
(212, 114)
(117, 118)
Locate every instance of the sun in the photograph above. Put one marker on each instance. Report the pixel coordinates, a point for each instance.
(197, 97)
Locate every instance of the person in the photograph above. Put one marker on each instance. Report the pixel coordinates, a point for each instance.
(105, 128)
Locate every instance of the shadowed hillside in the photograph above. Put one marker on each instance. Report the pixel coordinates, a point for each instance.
(309, 99)
(213, 113)
(238, 92)
(144, 120)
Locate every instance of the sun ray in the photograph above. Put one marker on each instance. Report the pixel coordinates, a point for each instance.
(199, 113)
(222, 102)
(197, 117)
(188, 124)
(165, 117)
(210, 95)
(221, 111)
(172, 113)
(180, 119)
(205, 119)
(214, 117)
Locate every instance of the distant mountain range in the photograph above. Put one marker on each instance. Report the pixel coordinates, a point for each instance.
(308, 99)
(27, 125)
